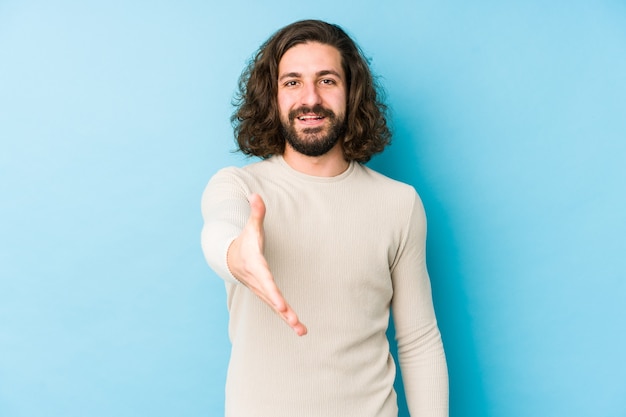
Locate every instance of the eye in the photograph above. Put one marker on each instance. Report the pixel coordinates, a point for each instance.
(328, 81)
(290, 83)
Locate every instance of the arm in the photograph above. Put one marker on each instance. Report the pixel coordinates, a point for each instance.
(420, 349)
(233, 246)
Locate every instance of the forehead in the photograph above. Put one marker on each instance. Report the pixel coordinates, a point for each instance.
(311, 57)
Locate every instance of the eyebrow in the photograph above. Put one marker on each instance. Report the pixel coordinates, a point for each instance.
(319, 74)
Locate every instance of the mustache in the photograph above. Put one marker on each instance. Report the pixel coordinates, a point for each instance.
(317, 110)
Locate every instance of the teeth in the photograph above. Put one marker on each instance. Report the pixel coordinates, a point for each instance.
(309, 117)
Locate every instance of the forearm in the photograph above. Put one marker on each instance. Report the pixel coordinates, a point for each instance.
(424, 372)
(225, 209)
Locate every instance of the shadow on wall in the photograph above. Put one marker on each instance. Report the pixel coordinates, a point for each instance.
(403, 161)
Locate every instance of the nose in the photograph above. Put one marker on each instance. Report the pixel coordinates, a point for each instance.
(310, 95)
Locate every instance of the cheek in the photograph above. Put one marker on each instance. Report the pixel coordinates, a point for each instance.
(283, 104)
(341, 103)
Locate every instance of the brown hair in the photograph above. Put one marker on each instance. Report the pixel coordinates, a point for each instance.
(256, 119)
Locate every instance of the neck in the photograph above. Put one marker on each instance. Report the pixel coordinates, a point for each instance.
(330, 164)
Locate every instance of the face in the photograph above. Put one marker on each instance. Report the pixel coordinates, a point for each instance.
(312, 97)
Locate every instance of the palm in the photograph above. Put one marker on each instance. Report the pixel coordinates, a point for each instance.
(248, 264)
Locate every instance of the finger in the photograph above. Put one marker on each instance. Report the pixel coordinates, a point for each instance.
(272, 294)
(291, 318)
(263, 284)
(278, 303)
(300, 329)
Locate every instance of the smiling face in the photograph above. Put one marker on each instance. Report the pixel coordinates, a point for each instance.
(312, 97)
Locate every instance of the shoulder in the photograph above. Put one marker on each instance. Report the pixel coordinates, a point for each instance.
(384, 180)
(239, 182)
(394, 196)
(386, 186)
(240, 175)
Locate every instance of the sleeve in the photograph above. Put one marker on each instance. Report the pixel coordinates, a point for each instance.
(225, 210)
(420, 349)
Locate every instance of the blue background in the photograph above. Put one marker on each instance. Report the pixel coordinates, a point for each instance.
(509, 119)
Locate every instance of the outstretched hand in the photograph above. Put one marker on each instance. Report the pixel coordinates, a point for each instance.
(247, 263)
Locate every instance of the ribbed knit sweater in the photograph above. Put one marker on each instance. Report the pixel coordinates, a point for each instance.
(343, 250)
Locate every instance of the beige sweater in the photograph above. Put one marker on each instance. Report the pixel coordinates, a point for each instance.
(343, 250)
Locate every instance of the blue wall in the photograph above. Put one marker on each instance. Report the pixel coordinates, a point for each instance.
(509, 119)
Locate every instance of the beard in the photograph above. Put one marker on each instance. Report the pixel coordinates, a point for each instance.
(312, 141)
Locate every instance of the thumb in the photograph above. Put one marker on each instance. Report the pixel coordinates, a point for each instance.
(257, 210)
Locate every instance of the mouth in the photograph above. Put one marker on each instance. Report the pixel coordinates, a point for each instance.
(309, 118)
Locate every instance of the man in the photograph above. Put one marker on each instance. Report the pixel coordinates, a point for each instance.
(311, 236)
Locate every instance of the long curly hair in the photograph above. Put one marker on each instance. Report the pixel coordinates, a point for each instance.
(256, 120)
